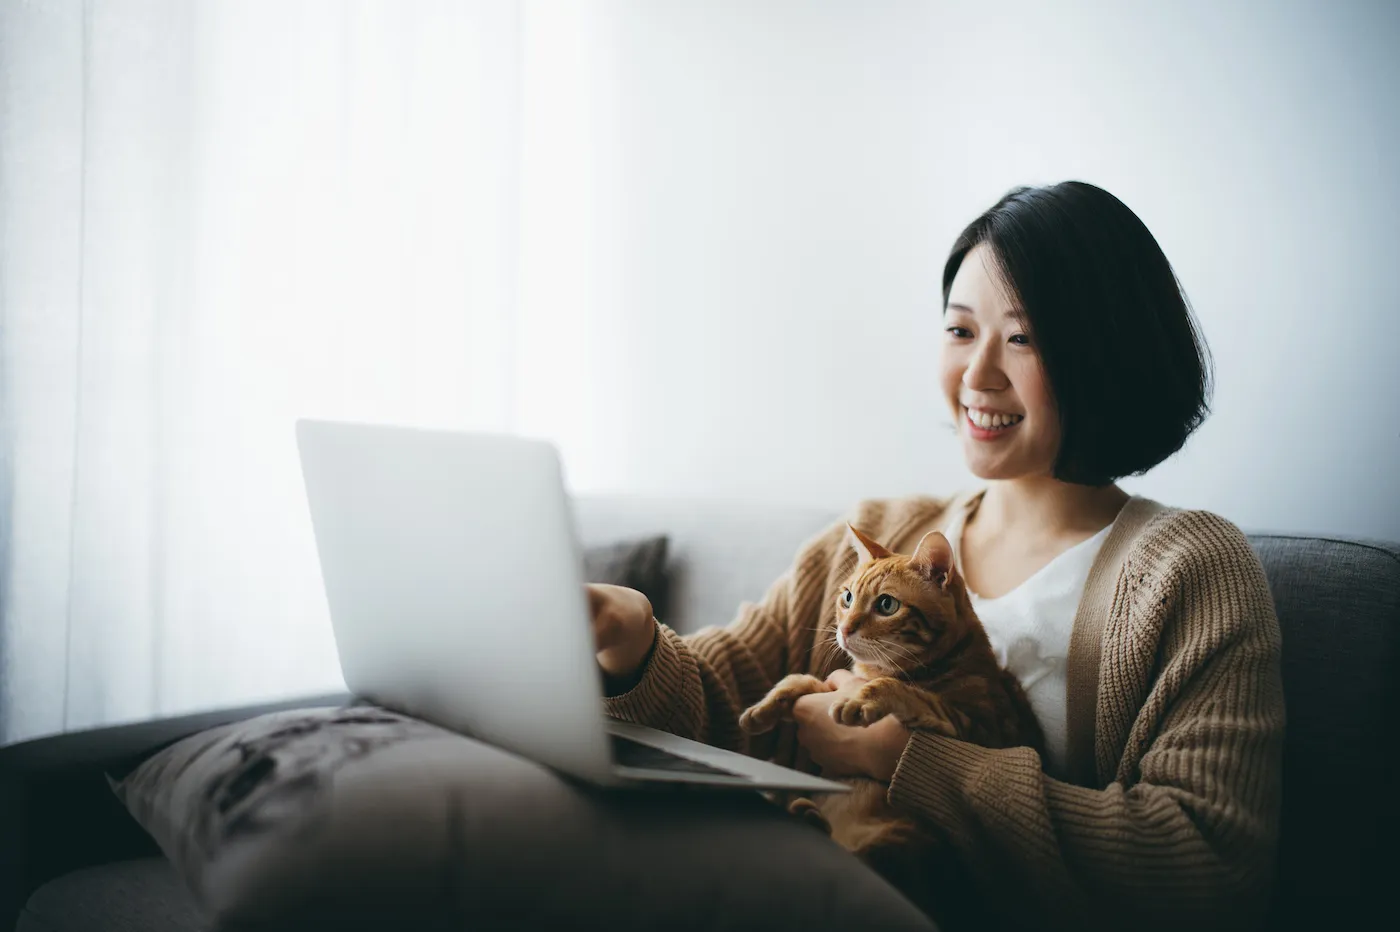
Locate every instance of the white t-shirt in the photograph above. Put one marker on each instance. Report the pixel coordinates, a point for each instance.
(1029, 628)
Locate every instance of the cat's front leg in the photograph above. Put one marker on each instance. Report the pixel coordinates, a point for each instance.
(927, 711)
(872, 702)
(914, 707)
(777, 705)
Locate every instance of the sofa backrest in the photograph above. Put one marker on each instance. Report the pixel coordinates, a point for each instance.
(1338, 603)
(721, 553)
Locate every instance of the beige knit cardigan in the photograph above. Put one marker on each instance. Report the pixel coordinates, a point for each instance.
(1175, 724)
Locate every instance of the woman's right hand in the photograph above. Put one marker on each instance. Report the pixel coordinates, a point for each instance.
(623, 628)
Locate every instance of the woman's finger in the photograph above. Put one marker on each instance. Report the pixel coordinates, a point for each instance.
(840, 678)
(811, 707)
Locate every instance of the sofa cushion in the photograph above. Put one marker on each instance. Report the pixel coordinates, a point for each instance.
(140, 895)
(1338, 605)
(357, 817)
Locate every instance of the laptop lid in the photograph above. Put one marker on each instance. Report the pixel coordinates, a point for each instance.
(454, 581)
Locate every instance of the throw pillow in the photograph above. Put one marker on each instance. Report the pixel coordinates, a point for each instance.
(638, 564)
(360, 818)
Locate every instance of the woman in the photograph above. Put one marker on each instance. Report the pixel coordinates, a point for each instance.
(1145, 636)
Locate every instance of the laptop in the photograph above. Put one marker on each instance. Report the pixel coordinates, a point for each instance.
(455, 585)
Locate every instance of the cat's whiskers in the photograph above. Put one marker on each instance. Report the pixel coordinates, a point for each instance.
(885, 648)
(881, 650)
(829, 638)
(897, 656)
(907, 651)
(828, 649)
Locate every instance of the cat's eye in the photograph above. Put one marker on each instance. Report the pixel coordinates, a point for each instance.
(887, 605)
(846, 598)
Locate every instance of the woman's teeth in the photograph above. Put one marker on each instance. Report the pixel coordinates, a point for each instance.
(992, 421)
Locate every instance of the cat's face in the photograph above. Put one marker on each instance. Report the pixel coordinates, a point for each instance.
(897, 613)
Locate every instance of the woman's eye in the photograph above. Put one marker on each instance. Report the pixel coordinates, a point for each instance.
(886, 605)
(1020, 339)
(960, 333)
(846, 598)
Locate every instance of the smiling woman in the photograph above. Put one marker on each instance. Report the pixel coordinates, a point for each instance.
(1143, 636)
(1063, 311)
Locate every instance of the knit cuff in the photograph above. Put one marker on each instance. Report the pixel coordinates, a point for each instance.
(934, 778)
(653, 700)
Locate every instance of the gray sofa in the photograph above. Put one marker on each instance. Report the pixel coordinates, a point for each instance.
(72, 854)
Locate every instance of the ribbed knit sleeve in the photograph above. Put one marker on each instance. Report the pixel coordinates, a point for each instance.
(696, 686)
(1182, 831)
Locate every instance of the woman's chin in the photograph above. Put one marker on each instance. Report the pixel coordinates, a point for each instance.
(999, 468)
(991, 471)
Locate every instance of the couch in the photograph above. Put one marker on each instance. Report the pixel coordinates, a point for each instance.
(72, 853)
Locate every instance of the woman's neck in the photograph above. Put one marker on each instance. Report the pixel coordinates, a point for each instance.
(1044, 506)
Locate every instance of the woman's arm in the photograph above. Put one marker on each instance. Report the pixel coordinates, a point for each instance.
(1186, 834)
(696, 686)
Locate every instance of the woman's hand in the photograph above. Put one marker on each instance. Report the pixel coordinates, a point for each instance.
(623, 628)
(848, 750)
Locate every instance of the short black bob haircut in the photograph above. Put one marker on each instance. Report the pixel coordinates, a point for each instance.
(1125, 359)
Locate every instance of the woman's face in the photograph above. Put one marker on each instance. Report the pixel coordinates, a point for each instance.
(993, 380)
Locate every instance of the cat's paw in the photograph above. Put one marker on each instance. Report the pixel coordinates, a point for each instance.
(859, 709)
(764, 716)
(811, 813)
(777, 705)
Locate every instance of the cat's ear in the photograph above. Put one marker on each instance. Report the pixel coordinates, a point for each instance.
(867, 548)
(933, 559)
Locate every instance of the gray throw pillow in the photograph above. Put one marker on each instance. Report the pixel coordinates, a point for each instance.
(359, 818)
(636, 564)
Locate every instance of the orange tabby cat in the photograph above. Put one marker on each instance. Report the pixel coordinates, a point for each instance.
(910, 628)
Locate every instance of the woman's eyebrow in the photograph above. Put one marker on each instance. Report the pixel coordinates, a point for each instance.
(963, 308)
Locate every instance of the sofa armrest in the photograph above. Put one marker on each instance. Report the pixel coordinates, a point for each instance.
(57, 812)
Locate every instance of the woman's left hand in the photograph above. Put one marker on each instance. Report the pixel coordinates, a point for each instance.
(848, 750)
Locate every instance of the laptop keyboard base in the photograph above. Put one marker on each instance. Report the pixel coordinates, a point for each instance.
(629, 753)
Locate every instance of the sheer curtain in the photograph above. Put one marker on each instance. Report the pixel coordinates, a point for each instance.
(216, 217)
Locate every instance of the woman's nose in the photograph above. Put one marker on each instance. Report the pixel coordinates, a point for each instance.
(983, 373)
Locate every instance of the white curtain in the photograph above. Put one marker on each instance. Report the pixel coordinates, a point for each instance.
(216, 217)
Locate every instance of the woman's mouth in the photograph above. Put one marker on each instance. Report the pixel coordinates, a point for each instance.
(990, 425)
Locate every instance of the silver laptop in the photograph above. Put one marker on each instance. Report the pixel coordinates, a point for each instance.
(455, 586)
